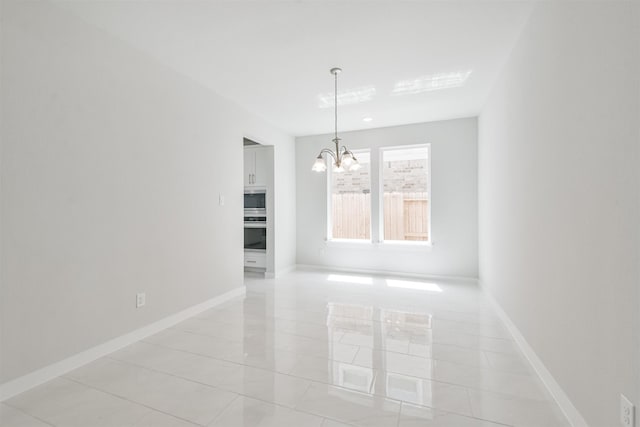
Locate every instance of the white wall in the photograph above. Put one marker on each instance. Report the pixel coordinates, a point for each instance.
(454, 202)
(285, 207)
(111, 169)
(559, 198)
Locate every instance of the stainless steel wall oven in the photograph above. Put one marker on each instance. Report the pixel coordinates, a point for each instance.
(255, 201)
(255, 219)
(255, 233)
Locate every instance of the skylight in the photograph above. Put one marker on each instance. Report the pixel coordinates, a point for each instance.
(431, 83)
(352, 96)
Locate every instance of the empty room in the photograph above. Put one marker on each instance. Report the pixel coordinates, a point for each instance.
(319, 213)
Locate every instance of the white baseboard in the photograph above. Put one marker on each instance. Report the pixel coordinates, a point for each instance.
(573, 416)
(279, 272)
(284, 270)
(314, 267)
(33, 379)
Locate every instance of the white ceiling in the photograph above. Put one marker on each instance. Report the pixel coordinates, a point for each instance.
(273, 57)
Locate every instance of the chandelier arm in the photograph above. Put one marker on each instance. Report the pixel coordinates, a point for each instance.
(345, 149)
(327, 151)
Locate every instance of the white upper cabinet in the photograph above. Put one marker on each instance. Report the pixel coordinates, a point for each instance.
(249, 166)
(255, 166)
(261, 168)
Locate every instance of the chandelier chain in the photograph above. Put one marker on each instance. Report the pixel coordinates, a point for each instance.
(335, 102)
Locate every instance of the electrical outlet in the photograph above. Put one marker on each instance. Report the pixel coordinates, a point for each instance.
(141, 299)
(627, 412)
(220, 199)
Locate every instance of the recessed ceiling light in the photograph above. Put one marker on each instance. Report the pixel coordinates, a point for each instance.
(367, 119)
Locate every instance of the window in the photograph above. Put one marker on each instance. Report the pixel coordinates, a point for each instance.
(401, 190)
(405, 181)
(350, 201)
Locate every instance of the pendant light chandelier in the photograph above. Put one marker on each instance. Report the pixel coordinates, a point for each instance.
(343, 158)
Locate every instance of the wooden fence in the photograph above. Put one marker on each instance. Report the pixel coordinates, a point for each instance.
(405, 216)
(351, 216)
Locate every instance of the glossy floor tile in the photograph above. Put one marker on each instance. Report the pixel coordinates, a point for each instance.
(245, 411)
(310, 349)
(10, 416)
(420, 416)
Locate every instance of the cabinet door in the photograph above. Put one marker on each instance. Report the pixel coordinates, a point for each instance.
(249, 166)
(261, 167)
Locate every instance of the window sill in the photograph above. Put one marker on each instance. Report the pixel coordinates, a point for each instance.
(407, 246)
(348, 243)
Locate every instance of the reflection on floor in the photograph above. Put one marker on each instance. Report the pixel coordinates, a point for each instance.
(310, 349)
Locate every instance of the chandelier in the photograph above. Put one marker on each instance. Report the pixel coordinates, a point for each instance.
(343, 158)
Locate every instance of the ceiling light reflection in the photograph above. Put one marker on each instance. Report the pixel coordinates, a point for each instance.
(360, 280)
(352, 96)
(419, 286)
(430, 83)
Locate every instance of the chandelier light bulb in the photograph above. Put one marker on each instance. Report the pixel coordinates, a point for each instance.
(347, 159)
(320, 165)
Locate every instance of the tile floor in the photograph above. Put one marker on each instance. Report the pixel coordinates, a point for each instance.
(310, 349)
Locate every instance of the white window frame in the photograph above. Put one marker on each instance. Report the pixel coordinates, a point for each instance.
(329, 231)
(380, 224)
(417, 245)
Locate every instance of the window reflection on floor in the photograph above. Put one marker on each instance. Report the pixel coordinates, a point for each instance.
(360, 280)
(354, 377)
(378, 332)
(402, 387)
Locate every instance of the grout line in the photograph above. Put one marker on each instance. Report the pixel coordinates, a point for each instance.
(367, 367)
(446, 411)
(466, 392)
(295, 407)
(28, 414)
(472, 348)
(312, 381)
(486, 359)
(131, 401)
(238, 394)
(222, 411)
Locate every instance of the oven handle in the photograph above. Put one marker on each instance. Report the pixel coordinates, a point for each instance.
(254, 225)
